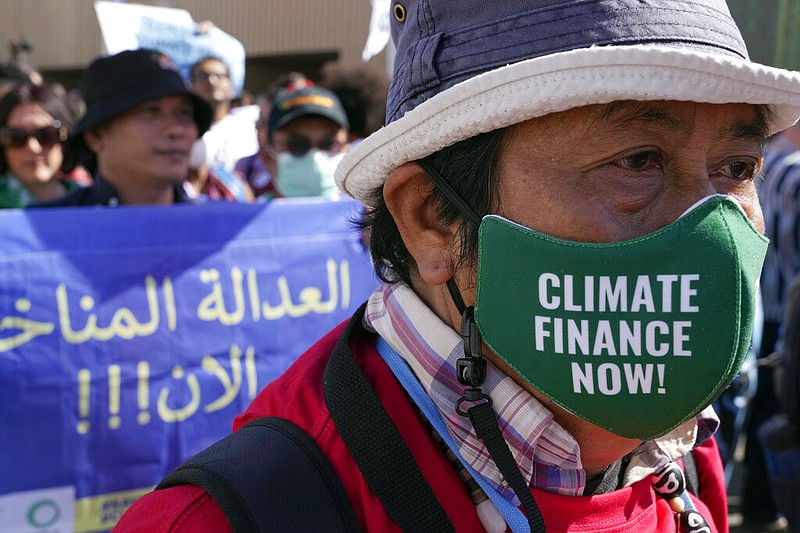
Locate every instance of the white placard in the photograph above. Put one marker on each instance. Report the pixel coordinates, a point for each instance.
(170, 31)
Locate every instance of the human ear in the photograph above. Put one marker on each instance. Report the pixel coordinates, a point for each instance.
(408, 196)
(93, 139)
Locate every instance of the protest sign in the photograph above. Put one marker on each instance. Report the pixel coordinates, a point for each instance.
(170, 31)
(131, 337)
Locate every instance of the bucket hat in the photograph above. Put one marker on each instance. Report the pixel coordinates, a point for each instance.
(118, 83)
(469, 66)
(313, 100)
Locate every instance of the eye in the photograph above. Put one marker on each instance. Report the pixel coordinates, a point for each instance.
(186, 113)
(330, 145)
(641, 161)
(151, 109)
(741, 170)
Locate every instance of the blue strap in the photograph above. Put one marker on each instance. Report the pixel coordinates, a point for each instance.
(513, 516)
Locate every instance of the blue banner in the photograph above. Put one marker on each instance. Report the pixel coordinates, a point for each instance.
(131, 337)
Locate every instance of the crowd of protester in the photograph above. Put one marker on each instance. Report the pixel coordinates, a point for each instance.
(137, 133)
(250, 151)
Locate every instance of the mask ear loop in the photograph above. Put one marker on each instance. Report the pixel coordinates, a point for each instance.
(471, 372)
(448, 191)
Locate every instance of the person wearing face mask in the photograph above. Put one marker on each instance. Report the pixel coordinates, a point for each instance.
(308, 130)
(563, 214)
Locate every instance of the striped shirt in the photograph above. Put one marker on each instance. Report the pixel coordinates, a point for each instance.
(780, 198)
(548, 455)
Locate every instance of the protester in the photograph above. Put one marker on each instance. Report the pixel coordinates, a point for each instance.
(259, 169)
(290, 81)
(229, 138)
(231, 135)
(779, 435)
(214, 182)
(564, 215)
(21, 50)
(11, 76)
(779, 194)
(244, 99)
(779, 190)
(34, 123)
(362, 91)
(138, 131)
(217, 184)
(307, 129)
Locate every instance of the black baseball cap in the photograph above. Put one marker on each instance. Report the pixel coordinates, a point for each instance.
(313, 100)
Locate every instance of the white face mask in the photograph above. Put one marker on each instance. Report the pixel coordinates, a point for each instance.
(308, 175)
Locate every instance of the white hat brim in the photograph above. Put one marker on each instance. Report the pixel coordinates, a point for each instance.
(562, 81)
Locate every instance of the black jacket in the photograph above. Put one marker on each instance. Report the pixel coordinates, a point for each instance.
(101, 192)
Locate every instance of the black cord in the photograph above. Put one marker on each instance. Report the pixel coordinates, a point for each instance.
(484, 421)
(471, 372)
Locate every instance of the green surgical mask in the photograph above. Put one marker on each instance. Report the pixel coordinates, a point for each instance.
(636, 337)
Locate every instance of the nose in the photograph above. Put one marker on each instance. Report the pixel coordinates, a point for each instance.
(693, 184)
(178, 124)
(34, 145)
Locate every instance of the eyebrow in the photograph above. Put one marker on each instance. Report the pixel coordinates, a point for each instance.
(626, 112)
(756, 130)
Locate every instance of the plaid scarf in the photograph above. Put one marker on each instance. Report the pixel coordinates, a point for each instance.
(547, 454)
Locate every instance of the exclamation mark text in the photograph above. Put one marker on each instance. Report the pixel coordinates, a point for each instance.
(143, 392)
(113, 396)
(250, 370)
(84, 391)
(344, 276)
(661, 388)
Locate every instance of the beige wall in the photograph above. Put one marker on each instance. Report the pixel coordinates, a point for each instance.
(276, 34)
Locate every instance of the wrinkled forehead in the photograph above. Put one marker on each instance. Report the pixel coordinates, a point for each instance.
(750, 120)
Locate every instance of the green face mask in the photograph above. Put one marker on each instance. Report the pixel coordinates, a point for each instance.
(636, 336)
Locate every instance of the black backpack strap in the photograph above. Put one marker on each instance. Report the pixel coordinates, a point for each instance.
(375, 443)
(270, 476)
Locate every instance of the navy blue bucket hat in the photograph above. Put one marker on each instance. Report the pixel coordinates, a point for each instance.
(468, 67)
(115, 84)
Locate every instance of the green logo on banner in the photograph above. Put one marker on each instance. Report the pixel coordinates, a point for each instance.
(43, 513)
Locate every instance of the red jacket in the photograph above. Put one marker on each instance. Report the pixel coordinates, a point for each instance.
(635, 508)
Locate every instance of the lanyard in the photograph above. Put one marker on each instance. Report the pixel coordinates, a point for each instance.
(512, 515)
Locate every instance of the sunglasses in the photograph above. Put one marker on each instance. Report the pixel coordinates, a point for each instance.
(299, 145)
(46, 136)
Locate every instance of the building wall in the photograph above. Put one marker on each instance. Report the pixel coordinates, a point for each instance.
(282, 35)
(278, 35)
